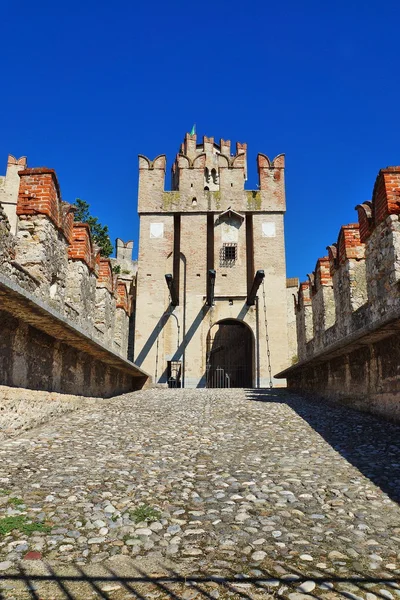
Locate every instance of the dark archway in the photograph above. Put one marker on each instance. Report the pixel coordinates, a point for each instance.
(230, 355)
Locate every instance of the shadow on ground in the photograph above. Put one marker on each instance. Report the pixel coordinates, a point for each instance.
(81, 585)
(368, 442)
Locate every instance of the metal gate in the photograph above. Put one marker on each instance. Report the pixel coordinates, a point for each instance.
(217, 378)
(174, 372)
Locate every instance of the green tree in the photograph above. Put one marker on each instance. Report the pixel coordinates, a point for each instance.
(99, 232)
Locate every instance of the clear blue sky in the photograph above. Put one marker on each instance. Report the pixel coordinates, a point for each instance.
(86, 86)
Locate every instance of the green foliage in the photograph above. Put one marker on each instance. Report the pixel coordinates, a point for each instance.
(15, 501)
(31, 527)
(99, 232)
(144, 513)
(19, 522)
(294, 359)
(4, 492)
(116, 269)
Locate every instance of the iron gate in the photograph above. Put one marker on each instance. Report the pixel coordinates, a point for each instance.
(229, 356)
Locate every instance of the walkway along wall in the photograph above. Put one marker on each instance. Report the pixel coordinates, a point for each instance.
(64, 314)
(348, 311)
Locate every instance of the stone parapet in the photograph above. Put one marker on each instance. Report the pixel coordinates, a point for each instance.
(353, 294)
(53, 257)
(41, 349)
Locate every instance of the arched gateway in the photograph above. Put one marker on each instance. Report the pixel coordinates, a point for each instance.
(230, 355)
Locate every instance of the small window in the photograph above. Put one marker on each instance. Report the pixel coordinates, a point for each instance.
(228, 255)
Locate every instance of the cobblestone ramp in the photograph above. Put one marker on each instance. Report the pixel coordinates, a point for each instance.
(202, 494)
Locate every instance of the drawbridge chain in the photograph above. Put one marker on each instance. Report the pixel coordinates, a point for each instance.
(267, 337)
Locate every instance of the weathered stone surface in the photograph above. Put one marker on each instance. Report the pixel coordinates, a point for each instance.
(194, 460)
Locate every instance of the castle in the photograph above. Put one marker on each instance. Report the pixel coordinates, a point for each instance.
(208, 304)
(212, 297)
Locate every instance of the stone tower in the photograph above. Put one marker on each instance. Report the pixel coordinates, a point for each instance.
(208, 249)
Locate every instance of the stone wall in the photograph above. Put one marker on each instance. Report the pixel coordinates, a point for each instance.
(348, 312)
(32, 358)
(53, 259)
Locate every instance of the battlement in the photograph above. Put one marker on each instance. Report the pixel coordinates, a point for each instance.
(56, 258)
(360, 273)
(348, 311)
(207, 177)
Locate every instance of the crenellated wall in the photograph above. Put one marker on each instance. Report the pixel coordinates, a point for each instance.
(52, 258)
(206, 177)
(348, 312)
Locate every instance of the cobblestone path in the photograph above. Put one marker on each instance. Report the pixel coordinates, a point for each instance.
(280, 496)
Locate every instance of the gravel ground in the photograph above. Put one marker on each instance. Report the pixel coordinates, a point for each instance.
(282, 496)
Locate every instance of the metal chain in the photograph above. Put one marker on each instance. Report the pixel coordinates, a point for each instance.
(267, 337)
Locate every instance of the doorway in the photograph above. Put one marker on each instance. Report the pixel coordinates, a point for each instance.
(230, 355)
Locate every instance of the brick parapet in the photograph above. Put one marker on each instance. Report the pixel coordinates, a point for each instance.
(386, 194)
(349, 244)
(39, 194)
(385, 202)
(322, 274)
(365, 220)
(122, 296)
(106, 276)
(304, 294)
(81, 247)
(360, 273)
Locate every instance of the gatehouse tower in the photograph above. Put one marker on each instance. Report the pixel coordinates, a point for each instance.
(212, 297)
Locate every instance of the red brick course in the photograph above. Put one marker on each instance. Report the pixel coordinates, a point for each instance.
(106, 275)
(122, 297)
(81, 247)
(386, 194)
